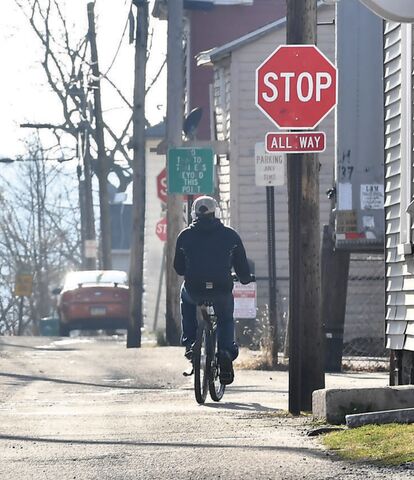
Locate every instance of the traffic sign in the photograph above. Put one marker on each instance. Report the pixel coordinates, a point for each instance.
(190, 171)
(161, 229)
(162, 185)
(23, 286)
(296, 86)
(270, 167)
(289, 142)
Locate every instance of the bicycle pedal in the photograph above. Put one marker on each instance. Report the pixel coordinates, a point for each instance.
(188, 372)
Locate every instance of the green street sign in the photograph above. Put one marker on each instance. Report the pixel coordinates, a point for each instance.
(190, 171)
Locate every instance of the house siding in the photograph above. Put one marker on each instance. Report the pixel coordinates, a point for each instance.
(221, 102)
(399, 315)
(217, 26)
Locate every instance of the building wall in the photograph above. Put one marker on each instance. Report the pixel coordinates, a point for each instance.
(154, 281)
(227, 23)
(398, 98)
(154, 274)
(221, 95)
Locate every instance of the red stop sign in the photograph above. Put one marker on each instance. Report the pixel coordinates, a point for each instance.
(296, 86)
(162, 185)
(161, 229)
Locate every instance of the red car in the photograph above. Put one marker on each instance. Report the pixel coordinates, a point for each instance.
(93, 300)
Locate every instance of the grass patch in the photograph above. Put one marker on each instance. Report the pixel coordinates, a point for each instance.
(391, 444)
(258, 360)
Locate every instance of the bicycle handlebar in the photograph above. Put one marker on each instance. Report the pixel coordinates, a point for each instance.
(236, 278)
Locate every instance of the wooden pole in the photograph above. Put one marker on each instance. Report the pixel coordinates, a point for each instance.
(175, 114)
(138, 213)
(306, 372)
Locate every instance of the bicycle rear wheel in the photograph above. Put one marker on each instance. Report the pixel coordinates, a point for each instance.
(215, 387)
(201, 366)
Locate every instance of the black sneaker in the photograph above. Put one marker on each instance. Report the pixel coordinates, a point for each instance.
(226, 368)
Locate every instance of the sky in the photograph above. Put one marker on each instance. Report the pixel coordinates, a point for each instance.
(25, 95)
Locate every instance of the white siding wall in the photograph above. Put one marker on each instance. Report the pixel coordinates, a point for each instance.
(153, 252)
(221, 99)
(399, 269)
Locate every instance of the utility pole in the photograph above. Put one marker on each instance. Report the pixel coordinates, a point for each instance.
(306, 372)
(85, 155)
(90, 234)
(102, 164)
(175, 115)
(138, 174)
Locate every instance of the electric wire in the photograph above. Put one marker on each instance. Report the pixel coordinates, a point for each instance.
(119, 45)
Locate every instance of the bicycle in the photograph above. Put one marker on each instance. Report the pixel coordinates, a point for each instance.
(206, 365)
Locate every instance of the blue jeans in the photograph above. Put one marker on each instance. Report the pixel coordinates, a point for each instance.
(223, 308)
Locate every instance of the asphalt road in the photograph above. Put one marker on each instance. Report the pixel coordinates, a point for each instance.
(88, 408)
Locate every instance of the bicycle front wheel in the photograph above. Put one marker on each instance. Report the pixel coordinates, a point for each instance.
(200, 364)
(214, 385)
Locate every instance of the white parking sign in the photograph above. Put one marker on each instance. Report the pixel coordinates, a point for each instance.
(270, 167)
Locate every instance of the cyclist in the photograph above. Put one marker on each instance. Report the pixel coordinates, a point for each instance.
(205, 254)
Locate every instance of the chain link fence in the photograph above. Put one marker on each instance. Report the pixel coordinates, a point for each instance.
(364, 328)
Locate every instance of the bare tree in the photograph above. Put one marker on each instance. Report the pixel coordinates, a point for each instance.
(40, 229)
(69, 74)
(73, 78)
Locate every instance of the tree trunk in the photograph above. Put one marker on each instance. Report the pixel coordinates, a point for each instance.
(102, 164)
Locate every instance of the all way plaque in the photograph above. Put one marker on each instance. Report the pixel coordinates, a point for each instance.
(295, 142)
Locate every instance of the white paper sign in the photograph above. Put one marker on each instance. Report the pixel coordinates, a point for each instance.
(244, 300)
(91, 249)
(372, 196)
(344, 196)
(270, 167)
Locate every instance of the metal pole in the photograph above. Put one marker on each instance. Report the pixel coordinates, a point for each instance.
(157, 302)
(190, 199)
(271, 254)
(295, 274)
(20, 324)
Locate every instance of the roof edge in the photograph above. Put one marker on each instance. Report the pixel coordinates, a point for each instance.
(208, 57)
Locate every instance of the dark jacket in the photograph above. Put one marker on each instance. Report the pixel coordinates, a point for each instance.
(205, 253)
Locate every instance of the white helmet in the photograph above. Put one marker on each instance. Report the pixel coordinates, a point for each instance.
(203, 206)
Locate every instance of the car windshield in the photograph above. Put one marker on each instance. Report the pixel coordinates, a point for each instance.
(95, 277)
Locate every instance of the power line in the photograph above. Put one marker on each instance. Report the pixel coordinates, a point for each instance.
(119, 44)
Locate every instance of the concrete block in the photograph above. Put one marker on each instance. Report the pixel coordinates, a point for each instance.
(403, 415)
(332, 404)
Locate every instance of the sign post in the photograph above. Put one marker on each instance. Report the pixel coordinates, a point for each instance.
(270, 172)
(296, 89)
